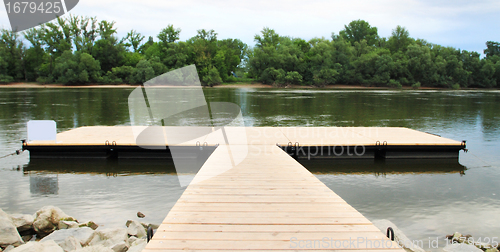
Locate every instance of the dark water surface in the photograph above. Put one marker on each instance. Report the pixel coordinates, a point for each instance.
(424, 198)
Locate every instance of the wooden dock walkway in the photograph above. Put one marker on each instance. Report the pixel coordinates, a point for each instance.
(267, 202)
(250, 193)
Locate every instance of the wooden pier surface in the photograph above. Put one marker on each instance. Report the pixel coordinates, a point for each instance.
(305, 136)
(258, 198)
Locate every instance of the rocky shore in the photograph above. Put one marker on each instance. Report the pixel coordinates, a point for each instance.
(51, 230)
(454, 243)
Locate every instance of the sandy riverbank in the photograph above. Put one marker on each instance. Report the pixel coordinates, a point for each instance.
(38, 85)
(227, 85)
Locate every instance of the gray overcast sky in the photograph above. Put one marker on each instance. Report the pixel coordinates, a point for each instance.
(457, 23)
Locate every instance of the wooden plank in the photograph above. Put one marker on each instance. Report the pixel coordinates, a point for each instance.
(253, 245)
(402, 136)
(325, 136)
(258, 191)
(277, 207)
(263, 236)
(253, 136)
(258, 199)
(268, 186)
(171, 227)
(269, 221)
(264, 250)
(245, 214)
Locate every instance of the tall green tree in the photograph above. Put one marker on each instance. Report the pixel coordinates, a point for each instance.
(492, 49)
(358, 30)
(133, 39)
(400, 40)
(107, 50)
(268, 37)
(12, 52)
(34, 55)
(169, 35)
(77, 68)
(85, 31)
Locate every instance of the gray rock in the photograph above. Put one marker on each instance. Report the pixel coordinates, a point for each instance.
(83, 235)
(27, 238)
(120, 247)
(109, 237)
(9, 248)
(89, 224)
(146, 225)
(491, 250)
(48, 246)
(457, 237)
(70, 244)
(399, 236)
(128, 223)
(94, 248)
(461, 247)
(483, 245)
(9, 234)
(132, 239)
(67, 224)
(137, 246)
(47, 219)
(22, 222)
(135, 228)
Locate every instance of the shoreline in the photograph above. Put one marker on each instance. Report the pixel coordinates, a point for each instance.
(50, 229)
(239, 85)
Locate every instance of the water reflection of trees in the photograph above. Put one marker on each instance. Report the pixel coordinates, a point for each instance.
(72, 108)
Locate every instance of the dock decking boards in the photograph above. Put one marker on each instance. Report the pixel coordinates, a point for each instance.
(120, 141)
(267, 202)
(250, 193)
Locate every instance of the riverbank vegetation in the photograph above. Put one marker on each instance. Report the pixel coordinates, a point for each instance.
(82, 50)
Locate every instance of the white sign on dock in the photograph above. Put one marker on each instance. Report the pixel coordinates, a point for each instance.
(42, 130)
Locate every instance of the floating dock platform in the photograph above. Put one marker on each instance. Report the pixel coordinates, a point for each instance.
(299, 142)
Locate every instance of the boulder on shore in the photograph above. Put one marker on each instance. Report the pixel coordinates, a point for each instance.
(135, 228)
(9, 234)
(89, 224)
(47, 219)
(109, 237)
(461, 247)
(70, 244)
(137, 246)
(94, 248)
(68, 224)
(399, 237)
(147, 225)
(48, 246)
(82, 235)
(23, 222)
(9, 248)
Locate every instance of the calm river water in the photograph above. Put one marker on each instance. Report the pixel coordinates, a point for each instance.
(425, 199)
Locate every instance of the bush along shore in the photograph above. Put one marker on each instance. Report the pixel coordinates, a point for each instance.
(51, 230)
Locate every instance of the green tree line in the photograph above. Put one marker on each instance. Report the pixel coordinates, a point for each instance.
(358, 55)
(81, 50)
